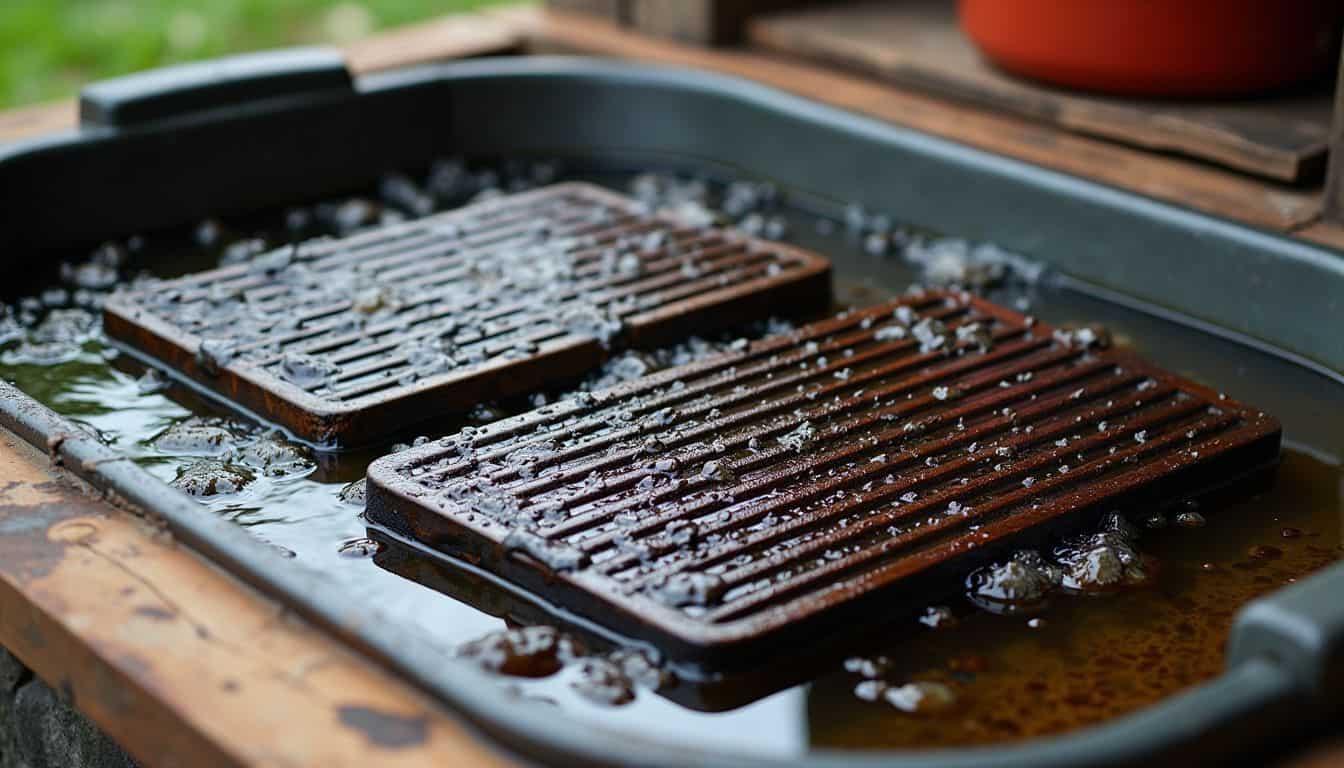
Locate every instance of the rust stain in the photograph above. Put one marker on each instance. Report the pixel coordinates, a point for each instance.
(40, 516)
(73, 532)
(38, 520)
(134, 665)
(26, 552)
(108, 686)
(32, 489)
(155, 612)
(31, 634)
(385, 729)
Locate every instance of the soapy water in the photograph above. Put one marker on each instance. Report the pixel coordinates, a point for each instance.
(1029, 623)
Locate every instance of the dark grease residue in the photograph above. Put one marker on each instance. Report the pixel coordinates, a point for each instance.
(960, 676)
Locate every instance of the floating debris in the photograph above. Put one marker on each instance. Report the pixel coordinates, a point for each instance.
(537, 651)
(921, 698)
(868, 667)
(954, 263)
(200, 436)
(1190, 519)
(359, 548)
(870, 690)
(69, 326)
(151, 382)
(938, 617)
(353, 493)
(210, 477)
(1017, 585)
(94, 275)
(276, 456)
(602, 682)
(1102, 562)
(641, 668)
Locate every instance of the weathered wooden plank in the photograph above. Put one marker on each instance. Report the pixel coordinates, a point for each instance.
(704, 22)
(616, 10)
(1198, 186)
(178, 662)
(918, 44)
(36, 120)
(450, 37)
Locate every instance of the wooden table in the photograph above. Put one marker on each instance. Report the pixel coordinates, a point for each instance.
(183, 665)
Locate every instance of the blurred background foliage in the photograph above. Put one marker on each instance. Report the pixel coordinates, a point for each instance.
(48, 48)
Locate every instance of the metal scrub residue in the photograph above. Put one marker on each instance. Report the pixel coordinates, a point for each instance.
(1076, 641)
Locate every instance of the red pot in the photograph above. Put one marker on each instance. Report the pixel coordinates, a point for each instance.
(1158, 47)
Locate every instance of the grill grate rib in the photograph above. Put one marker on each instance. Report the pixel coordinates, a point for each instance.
(721, 505)
(350, 339)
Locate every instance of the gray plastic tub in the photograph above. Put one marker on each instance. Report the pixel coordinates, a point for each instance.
(172, 146)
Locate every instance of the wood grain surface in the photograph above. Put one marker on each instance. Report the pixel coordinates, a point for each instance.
(178, 662)
(918, 44)
(1172, 179)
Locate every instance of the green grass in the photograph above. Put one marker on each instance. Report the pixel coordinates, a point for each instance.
(49, 48)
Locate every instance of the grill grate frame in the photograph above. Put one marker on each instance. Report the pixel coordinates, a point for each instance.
(550, 280)
(789, 541)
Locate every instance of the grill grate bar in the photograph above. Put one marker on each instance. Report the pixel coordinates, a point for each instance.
(754, 601)
(338, 339)
(719, 536)
(279, 293)
(919, 480)
(785, 467)
(545, 332)
(742, 439)
(421, 238)
(728, 399)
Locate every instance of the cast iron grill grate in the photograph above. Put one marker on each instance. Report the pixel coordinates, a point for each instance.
(347, 339)
(815, 475)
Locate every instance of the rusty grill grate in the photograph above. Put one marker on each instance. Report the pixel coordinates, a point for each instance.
(723, 503)
(343, 340)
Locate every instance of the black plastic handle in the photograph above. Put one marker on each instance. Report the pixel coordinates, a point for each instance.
(159, 94)
(1300, 627)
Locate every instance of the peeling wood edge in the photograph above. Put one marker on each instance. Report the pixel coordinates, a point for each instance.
(176, 660)
(45, 645)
